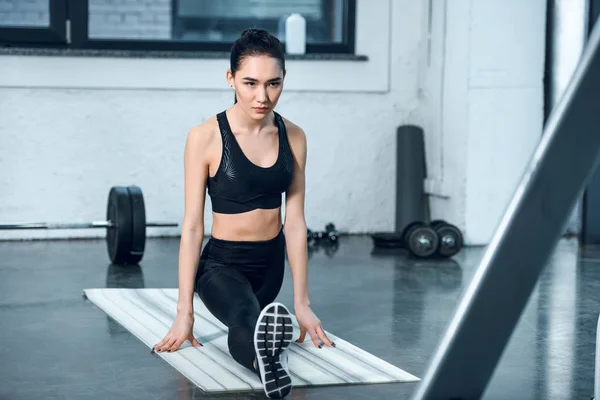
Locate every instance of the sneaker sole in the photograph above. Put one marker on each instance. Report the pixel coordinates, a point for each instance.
(272, 335)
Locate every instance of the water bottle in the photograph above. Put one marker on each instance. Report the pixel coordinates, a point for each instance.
(295, 34)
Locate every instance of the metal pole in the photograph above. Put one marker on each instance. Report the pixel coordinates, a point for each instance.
(83, 225)
(597, 364)
(521, 246)
(567, 32)
(46, 225)
(162, 224)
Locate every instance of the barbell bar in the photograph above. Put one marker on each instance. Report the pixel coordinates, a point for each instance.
(125, 225)
(83, 225)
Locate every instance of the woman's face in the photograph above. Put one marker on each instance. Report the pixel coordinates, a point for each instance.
(258, 83)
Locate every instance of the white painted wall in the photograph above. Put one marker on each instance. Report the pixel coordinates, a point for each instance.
(493, 95)
(72, 127)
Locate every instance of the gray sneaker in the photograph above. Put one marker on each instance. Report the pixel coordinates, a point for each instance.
(272, 336)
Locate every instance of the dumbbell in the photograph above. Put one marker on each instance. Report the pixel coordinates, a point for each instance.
(313, 237)
(450, 238)
(420, 239)
(310, 237)
(331, 233)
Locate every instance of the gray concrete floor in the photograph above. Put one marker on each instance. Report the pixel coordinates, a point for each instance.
(56, 345)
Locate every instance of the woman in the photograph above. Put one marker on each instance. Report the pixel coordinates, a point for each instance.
(247, 157)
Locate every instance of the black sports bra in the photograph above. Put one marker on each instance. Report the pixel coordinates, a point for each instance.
(240, 185)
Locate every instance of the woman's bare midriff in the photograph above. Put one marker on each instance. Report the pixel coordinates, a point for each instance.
(256, 225)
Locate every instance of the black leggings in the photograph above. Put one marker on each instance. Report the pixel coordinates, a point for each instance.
(235, 281)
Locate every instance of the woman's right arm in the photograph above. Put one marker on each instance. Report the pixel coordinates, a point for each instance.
(192, 228)
(196, 161)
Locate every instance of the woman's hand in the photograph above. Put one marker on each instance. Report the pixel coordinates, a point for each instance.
(181, 330)
(309, 323)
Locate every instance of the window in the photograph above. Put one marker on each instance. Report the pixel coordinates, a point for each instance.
(31, 22)
(183, 25)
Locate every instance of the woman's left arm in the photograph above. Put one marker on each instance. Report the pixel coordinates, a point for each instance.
(296, 240)
(295, 222)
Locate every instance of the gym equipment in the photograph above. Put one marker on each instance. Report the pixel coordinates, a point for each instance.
(388, 240)
(438, 238)
(311, 237)
(597, 364)
(421, 239)
(410, 175)
(527, 234)
(326, 240)
(411, 200)
(329, 235)
(125, 225)
(451, 239)
(148, 314)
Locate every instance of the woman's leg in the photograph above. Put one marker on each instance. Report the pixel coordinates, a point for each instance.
(238, 284)
(268, 285)
(274, 329)
(228, 295)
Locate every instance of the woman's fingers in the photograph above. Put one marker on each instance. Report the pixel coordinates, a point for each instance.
(160, 344)
(176, 345)
(302, 335)
(315, 337)
(167, 345)
(171, 343)
(323, 336)
(194, 342)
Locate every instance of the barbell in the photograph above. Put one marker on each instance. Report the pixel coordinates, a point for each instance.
(125, 225)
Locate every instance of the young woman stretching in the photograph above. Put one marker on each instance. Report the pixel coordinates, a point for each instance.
(246, 157)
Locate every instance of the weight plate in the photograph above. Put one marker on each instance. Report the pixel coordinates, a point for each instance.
(437, 223)
(410, 228)
(390, 240)
(138, 225)
(423, 241)
(451, 240)
(118, 235)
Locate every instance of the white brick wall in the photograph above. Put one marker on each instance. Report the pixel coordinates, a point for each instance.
(130, 19)
(23, 13)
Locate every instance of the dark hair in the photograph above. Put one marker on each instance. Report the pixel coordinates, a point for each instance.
(255, 42)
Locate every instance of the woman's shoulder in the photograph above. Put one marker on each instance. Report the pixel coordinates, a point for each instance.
(294, 130)
(296, 138)
(206, 131)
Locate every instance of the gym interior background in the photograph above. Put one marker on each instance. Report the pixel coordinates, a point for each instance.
(113, 107)
(475, 86)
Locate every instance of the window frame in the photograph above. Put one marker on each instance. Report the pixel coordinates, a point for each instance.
(54, 34)
(75, 14)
